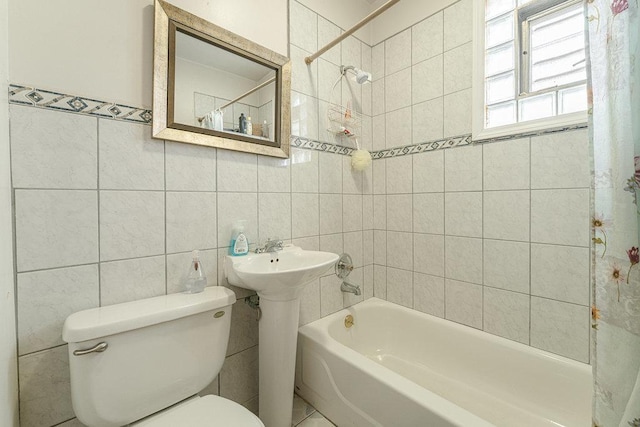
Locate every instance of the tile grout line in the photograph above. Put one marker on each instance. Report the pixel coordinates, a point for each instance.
(99, 200)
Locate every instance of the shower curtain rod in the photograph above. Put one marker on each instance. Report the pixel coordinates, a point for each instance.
(375, 13)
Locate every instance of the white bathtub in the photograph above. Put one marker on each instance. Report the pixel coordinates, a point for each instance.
(397, 367)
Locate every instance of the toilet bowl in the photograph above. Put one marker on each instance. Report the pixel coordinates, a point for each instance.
(143, 362)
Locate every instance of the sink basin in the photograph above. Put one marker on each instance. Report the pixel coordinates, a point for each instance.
(278, 275)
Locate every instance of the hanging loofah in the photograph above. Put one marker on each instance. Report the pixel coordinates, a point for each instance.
(360, 160)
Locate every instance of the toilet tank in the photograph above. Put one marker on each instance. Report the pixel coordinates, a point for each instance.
(160, 351)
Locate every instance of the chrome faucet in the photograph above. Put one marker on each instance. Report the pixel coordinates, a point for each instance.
(348, 287)
(271, 245)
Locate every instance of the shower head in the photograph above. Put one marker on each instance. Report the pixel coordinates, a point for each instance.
(361, 76)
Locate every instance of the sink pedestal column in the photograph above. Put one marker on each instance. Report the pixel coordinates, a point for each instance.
(278, 335)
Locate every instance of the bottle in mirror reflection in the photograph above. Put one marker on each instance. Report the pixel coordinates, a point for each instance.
(196, 279)
(242, 123)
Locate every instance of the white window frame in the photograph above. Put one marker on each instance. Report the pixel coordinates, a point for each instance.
(479, 132)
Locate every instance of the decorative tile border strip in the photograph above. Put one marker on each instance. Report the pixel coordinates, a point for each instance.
(406, 150)
(459, 141)
(311, 144)
(41, 98)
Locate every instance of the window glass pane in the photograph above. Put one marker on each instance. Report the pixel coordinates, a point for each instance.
(501, 114)
(499, 31)
(499, 60)
(557, 49)
(537, 107)
(572, 99)
(555, 27)
(500, 88)
(498, 7)
(559, 79)
(523, 2)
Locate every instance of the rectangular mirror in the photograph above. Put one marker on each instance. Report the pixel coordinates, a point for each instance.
(215, 88)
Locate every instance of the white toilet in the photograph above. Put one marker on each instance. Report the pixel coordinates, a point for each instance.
(143, 362)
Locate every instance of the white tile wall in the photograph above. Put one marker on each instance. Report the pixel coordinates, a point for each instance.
(458, 66)
(571, 339)
(429, 79)
(55, 228)
(427, 38)
(399, 175)
(506, 314)
(57, 152)
(398, 91)
(458, 24)
(428, 172)
(563, 154)
(303, 26)
(400, 250)
(506, 165)
(399, 212)
(464, 214)
(428, 294)
(132, 279)
(45, 389)
(129, 158)
(560, 217)
(237, 171)
(327, 31)
(428, 253)
(428, 121)
(506, 265)
(184, 226)
(457, 114)
(561, 273)
(463, 303)
(132, 224)
(398, 127)
(46, 298)
(397, 52)
(189, 167)
(428, 213)
(463, 169)
(463, 259)
(400, 287)
(506, 215)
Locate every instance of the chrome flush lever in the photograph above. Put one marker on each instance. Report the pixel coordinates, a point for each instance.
(98, 348)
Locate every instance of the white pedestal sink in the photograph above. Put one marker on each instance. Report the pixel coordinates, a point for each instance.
(278, 278)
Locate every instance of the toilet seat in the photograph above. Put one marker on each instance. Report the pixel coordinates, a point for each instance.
(205, 411)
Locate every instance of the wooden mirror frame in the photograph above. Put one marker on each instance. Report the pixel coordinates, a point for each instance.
(166, 16)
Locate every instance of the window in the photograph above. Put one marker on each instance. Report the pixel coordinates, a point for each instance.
(530, 70)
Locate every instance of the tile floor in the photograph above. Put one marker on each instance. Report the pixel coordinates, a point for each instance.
(305, 415)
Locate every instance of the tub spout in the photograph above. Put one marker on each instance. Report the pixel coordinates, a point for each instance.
(348, 287)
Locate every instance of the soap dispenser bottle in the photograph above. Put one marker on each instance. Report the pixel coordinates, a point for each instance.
(239, 244)
(196, 279)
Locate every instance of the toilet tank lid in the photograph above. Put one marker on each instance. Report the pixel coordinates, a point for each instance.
(103, 321)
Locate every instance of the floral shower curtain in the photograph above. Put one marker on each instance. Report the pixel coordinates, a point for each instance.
(614, 55)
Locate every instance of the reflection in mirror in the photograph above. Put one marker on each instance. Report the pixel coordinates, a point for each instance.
(219, 90)
(213, 87)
